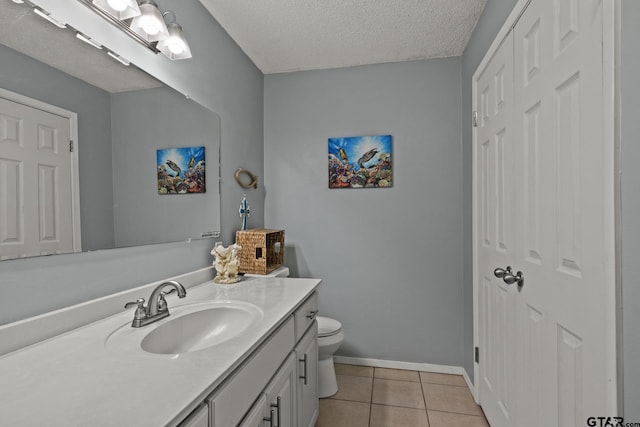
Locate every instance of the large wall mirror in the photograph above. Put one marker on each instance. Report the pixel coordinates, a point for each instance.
(123, 117)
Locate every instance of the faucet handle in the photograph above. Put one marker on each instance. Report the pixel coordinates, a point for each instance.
(139, 302)
(140, 310)
(162, 303)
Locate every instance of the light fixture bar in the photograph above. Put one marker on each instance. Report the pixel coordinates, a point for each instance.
(119, 58)
(87, 40)
(48, 17)
(123, 25)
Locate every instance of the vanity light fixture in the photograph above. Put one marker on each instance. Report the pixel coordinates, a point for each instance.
(150, 23)
(175, 46)
(87, 40)
(48, 17)
(119, 9)
(145, 23)
(18, 1)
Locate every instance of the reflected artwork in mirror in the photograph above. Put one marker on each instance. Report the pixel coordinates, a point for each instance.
(122, 117)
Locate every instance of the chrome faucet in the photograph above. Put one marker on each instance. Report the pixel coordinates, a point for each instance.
(156, 308)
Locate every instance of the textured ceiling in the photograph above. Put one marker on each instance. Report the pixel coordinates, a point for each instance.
(24, 31)
(292, 35)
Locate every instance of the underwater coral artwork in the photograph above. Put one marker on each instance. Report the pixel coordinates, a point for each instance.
(360, 162)
(181, 170)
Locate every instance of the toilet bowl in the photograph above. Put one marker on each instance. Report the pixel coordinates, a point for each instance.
(330, 336)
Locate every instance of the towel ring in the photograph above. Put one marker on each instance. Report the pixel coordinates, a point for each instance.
(245, 179)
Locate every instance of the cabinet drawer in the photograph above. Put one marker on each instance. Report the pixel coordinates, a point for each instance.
(229, 405)
(305, 315)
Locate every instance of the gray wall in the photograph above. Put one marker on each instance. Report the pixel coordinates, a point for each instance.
(146, 120)
(26, 76)
(630, 102)
(493, 17)
(389, 258)
(220, 77)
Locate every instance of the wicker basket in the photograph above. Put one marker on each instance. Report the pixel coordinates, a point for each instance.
(262, 250)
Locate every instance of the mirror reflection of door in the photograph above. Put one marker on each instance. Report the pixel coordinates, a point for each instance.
(36, 181)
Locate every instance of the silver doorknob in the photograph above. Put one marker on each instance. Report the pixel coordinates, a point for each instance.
(500, 273)
(510, 279)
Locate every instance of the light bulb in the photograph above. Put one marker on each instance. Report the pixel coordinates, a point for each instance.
(175, 45)
(118, 5)
(150, 25)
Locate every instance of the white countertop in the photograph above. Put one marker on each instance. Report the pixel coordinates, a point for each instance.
(74, 380)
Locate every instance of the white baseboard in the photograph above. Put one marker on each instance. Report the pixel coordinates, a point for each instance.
(394, 364)
(472, 389)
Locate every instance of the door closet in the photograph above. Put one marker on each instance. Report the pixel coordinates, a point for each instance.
(544, 217)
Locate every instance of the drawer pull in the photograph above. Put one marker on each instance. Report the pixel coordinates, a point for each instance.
(304, 375)
(270, 418)
(312, 314)
(277, 406)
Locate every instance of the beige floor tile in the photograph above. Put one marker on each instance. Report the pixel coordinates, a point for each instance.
(353, 388)
(394, 416)
(449, 398)
(358, 371)
(447, 379)
(397, 393)
(397, 374)
(447, 419)
(340, 413)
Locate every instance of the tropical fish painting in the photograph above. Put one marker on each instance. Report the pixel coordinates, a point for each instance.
(360, 162)
(181, 170)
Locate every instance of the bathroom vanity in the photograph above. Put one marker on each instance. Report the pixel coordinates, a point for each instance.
(261, 371)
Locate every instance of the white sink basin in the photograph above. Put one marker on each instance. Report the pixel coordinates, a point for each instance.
(189, 328)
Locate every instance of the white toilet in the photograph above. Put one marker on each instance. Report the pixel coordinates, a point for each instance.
(330, 336)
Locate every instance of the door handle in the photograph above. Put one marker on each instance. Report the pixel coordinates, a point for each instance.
(304, 375)
(510, 279)
(500, 273)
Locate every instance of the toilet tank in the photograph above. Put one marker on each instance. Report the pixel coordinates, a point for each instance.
(281, 271)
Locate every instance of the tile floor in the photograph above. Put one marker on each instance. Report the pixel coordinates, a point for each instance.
(381, 397)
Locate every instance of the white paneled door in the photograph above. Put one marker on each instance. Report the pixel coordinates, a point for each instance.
(495, 246)
(36, 187)
(543, 207)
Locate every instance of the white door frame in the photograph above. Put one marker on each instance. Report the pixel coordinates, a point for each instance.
(75, 175)
(611, 37)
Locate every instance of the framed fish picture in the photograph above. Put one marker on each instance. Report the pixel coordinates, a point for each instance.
(181, 170)
(360, 162)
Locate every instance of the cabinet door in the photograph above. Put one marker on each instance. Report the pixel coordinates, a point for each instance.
(257, 414)
(229, 405)
(281, 395)
(307, 355)
(198, 418)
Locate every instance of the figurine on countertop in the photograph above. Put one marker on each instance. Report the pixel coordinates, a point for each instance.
(227, 263)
